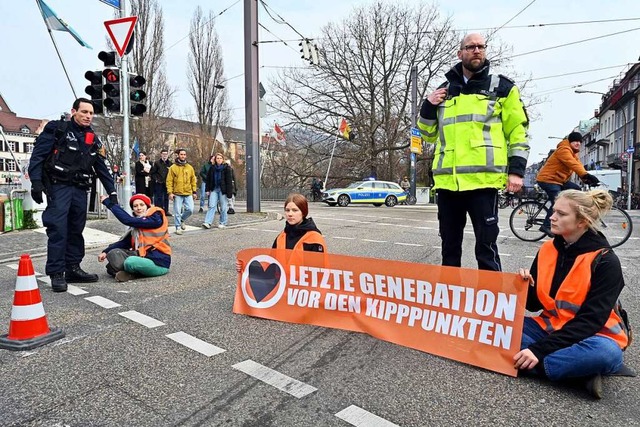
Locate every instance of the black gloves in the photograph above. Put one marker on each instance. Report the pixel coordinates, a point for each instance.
(36, 191)
(590, 180)
(113, 198)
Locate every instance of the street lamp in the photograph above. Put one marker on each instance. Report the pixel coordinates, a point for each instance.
(624, 145)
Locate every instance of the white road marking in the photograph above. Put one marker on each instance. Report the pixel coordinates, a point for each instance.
(529, 256)
(274, 378)
(357, 416)
(195, 344)
(374, 241)
(142, 319)
(344, 238)
(102, 302)
(504, 254)
(74, 290)
(407, 244)
(12, 266)
(45, 279)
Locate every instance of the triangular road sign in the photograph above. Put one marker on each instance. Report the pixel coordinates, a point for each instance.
(120, 31)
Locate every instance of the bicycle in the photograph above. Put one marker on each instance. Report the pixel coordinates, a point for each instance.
(507, 199)
(528, 217)
(411, 199)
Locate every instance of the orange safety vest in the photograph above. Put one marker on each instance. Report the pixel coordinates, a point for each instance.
(296, 256)
(571, 294)
(145, 239)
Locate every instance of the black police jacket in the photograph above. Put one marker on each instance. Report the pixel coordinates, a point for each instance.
(61, 155)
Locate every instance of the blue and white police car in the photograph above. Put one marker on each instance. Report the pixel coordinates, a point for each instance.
(368, 192)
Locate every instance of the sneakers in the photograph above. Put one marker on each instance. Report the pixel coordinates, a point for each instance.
(179, 232)
(183, 226)
(594, 386)
(222, 226)
(205, 225)
(231, 211)
(546, 230)
(124, 276)
(201, 210)
(75, 274)
(58, 283)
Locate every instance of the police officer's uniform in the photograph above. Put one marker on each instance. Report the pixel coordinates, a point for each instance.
(64, 165)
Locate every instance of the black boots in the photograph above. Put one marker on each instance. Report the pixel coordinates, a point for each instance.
(75, 274)
(58, 284)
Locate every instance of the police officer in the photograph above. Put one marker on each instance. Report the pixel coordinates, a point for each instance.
(479, 126)
(66, 157)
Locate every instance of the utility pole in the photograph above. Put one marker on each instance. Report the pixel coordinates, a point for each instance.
(252, 115)
(414, 112)
(124, 94)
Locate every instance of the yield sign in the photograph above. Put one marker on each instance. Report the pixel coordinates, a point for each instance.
(120, 31)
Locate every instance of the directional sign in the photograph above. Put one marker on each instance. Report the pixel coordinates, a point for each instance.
(631, 149)
(416, 141)
(120, 31)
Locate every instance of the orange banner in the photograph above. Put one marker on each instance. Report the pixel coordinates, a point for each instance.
(471, 316)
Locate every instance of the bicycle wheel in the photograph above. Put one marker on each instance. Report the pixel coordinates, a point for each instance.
(616, 227)
(411, 200)
(526, 219)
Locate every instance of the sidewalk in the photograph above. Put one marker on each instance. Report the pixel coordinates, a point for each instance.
(99, 233)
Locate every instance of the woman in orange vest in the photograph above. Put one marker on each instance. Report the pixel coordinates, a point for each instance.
(576, 280)
(300, 232)
(144, 251)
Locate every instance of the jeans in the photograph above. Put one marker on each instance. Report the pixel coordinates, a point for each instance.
(214, 196)
(180, 202)
(591, 356)
(203, 193)
(552, 191)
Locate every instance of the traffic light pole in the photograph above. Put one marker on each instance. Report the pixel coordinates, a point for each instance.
(252, 118)
(414, 114)
(124, 96)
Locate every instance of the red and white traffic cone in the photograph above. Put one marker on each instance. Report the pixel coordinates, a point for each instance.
(28, 327)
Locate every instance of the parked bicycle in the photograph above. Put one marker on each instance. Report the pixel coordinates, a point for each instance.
(528, 216)
(507, 199)
(410, 200)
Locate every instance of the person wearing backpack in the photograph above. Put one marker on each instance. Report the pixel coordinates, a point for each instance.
(66, 158)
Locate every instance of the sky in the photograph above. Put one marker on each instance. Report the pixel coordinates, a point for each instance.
(33, 83)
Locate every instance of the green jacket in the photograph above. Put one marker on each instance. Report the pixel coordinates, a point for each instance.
(480, 131)
(181, 180)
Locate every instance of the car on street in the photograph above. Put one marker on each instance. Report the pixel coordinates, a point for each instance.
(372, 192)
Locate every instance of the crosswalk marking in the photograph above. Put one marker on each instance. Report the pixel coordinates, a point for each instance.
(74, 290)
(274, 378)
(358, 417)
(102, 302)
(142, 319)
(407, 244)
(195, 344)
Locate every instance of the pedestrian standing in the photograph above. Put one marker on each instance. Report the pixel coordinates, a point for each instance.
(142, 176)
(219, 188)
(67, 156)
(479, 126)
(232, 200)
(159, 172)
(204, 171)
(182, 187)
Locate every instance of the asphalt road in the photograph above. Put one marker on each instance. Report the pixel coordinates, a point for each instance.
(112, 371)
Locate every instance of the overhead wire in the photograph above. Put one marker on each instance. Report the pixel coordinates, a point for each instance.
(514, 17)
(580, 72)
(560, 89)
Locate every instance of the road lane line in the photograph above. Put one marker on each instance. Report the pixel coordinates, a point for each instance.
(374, 241)
(274, 378)
(74, 290)
(12, 266)
(407, 244)
(142, 319)
(45, 279)
(195, 344)
(530, 256)
(102, 302)
(504, 254)
(358, 417)
(344, 238)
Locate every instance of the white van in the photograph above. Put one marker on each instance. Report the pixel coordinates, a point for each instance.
(612, 178)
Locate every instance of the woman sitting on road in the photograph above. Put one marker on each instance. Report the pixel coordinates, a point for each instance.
(144, 251)
(300, 232)
(576, 280)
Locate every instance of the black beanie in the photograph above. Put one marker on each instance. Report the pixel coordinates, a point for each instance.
(574, 136)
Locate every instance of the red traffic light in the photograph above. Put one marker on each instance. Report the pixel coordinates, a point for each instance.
(112, 76)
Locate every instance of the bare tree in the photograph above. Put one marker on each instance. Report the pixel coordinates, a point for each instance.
(206, 75)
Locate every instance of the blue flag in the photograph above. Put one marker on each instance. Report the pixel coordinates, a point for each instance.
(112, 3)
(56, 24)
(136, 147)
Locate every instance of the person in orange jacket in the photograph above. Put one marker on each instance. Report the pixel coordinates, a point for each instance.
(556, 172)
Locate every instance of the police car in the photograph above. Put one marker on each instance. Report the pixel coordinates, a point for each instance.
(370, 192)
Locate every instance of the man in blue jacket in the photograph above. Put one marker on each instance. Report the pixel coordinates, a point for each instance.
(66, 158)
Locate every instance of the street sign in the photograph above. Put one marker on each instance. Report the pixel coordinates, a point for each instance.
(631, 149)
(624, 156)
(416, 141)
(120, 31)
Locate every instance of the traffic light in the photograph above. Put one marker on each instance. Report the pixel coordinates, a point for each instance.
(136, 95)
(111, 89)
(313, 50)
(95, 90)
(305, 49)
